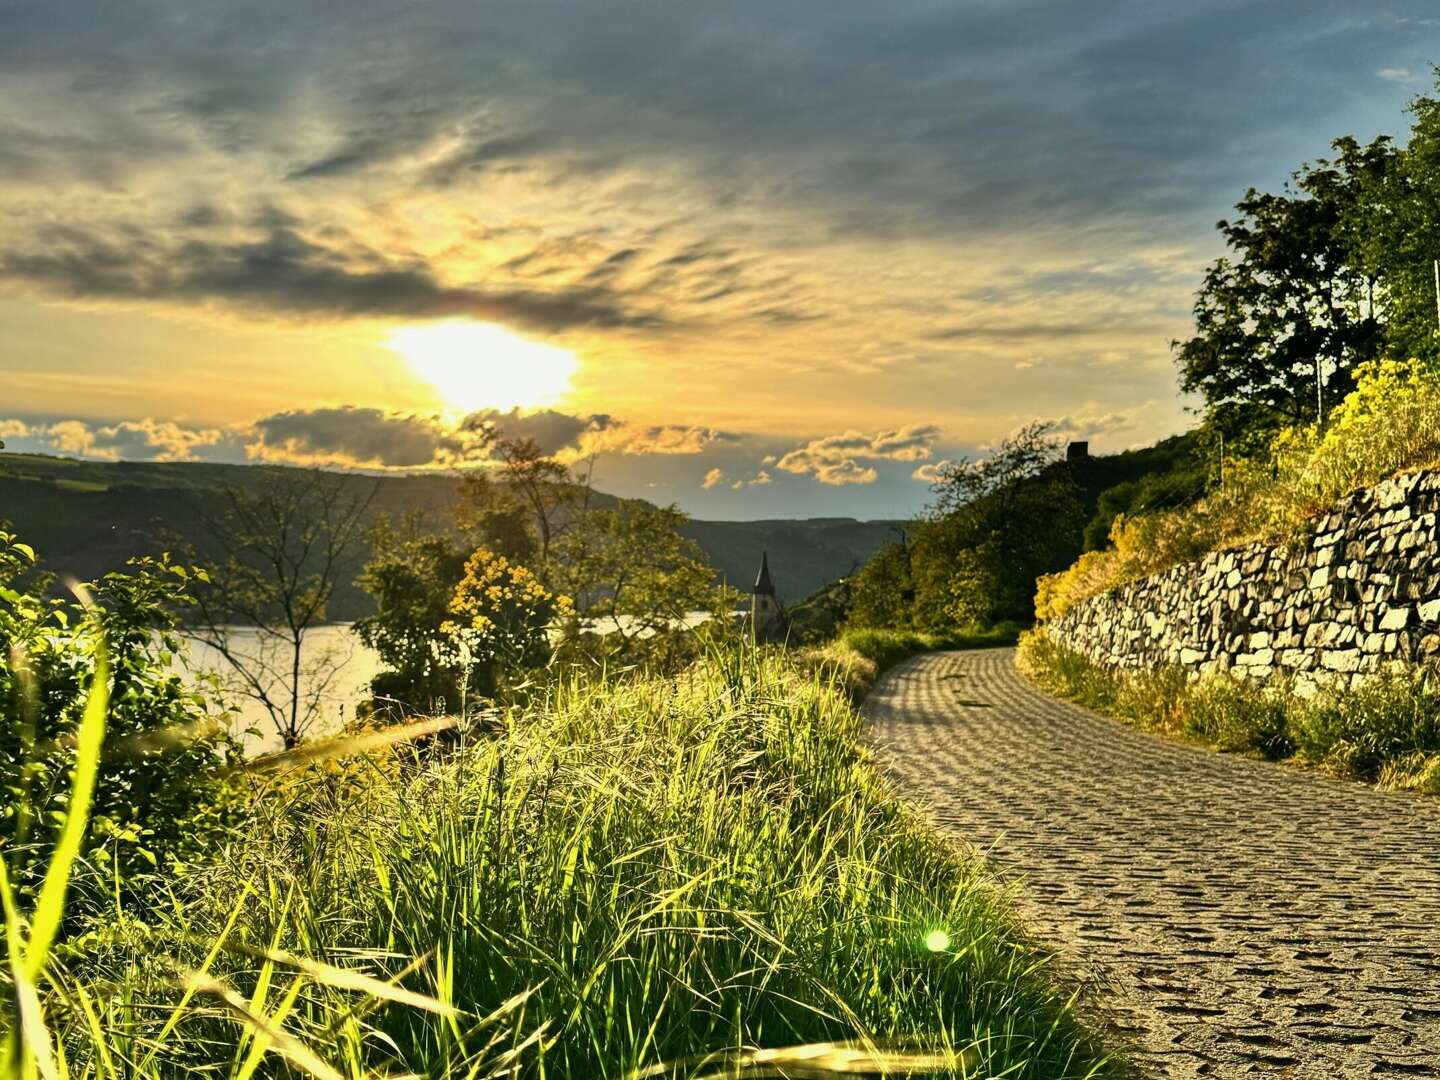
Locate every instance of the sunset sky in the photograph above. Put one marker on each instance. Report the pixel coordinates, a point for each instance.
(765, 259)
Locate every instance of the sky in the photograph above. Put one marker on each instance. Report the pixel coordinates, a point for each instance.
(761, 259)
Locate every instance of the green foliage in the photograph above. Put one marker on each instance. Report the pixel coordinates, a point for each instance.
(629, 568)
(162, 797)
(996, 525)
(1386, 728)
(882, 593)
(1295, 293)
(1390, 423)
(412, 576)
(1389, 718)
(1333, 272)
(623, 876)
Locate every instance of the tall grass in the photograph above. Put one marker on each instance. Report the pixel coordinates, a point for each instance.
(685, 877)
(1386, 729)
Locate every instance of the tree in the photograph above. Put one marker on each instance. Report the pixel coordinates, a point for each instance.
(996, 525)
(276, 551)
(1402, 236)
(882, 594)
(412, 575)
(629, 566)
(1300, 296)
(528, 485)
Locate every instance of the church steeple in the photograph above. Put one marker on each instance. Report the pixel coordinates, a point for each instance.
(768, 620)
(763, 584)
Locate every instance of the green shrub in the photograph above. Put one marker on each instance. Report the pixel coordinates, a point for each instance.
(163, 797)
(1232, 714)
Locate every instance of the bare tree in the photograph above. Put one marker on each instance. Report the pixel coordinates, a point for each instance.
(275, 553)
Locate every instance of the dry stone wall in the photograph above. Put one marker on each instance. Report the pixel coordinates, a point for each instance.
(1360, 589)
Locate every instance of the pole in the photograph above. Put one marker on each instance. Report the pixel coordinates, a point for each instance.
(1319, 394)
(1437, 290)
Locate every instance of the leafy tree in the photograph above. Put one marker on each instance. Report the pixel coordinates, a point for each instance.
(1300, 290)
(412, 575)
(630, 567)
(491, 517)
(278, 550)
(1402, 236)
(882, 593)
(996, 524)
(163, 796)
(527, 502)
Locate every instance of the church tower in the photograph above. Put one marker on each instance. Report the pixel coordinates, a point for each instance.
(767, 616)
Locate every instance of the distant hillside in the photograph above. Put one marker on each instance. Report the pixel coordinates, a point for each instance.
(86, 518)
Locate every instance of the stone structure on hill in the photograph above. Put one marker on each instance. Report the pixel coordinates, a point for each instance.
(767, 614)
(1359, 589)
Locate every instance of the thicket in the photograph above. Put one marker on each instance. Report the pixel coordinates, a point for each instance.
(1385, 730)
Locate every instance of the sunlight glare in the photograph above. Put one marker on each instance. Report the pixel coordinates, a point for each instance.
(475, 365)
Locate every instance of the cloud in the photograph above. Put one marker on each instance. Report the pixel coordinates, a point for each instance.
(128, 440)
(1091, 425)
(288, 274)
(1397, 75)
(837, 459)
(931, 472)
(661, 439)
(553, 431)
(713, 478)
(356, 437)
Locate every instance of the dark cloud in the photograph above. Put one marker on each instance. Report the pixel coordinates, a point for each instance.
(552, 431)
(284, 272)
(348, 435)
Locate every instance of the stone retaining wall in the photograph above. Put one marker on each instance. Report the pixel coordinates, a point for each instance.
(1361, 588)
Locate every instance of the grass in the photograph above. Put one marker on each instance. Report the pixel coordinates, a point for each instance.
(697, 876)
(1386, 730)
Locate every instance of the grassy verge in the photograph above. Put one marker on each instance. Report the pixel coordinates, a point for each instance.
(673, 877)
(857, 656)
(1386, 730)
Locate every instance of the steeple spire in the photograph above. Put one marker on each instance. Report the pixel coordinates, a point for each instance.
(763, 585)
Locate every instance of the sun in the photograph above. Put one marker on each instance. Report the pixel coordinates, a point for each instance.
(476, 365)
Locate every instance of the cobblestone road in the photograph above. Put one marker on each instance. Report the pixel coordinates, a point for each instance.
(1249, 918)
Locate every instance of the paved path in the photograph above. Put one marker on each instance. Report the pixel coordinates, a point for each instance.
(1249, 918)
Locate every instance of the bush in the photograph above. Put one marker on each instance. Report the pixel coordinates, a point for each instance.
(162, 798)
(1390, 716)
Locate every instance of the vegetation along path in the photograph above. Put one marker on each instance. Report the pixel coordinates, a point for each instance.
(1248, 918)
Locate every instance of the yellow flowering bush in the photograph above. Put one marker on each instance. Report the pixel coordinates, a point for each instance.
(503, 617)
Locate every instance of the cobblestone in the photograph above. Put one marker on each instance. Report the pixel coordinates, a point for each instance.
(1245, 918)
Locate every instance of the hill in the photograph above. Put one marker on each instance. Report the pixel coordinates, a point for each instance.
(88, 517)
